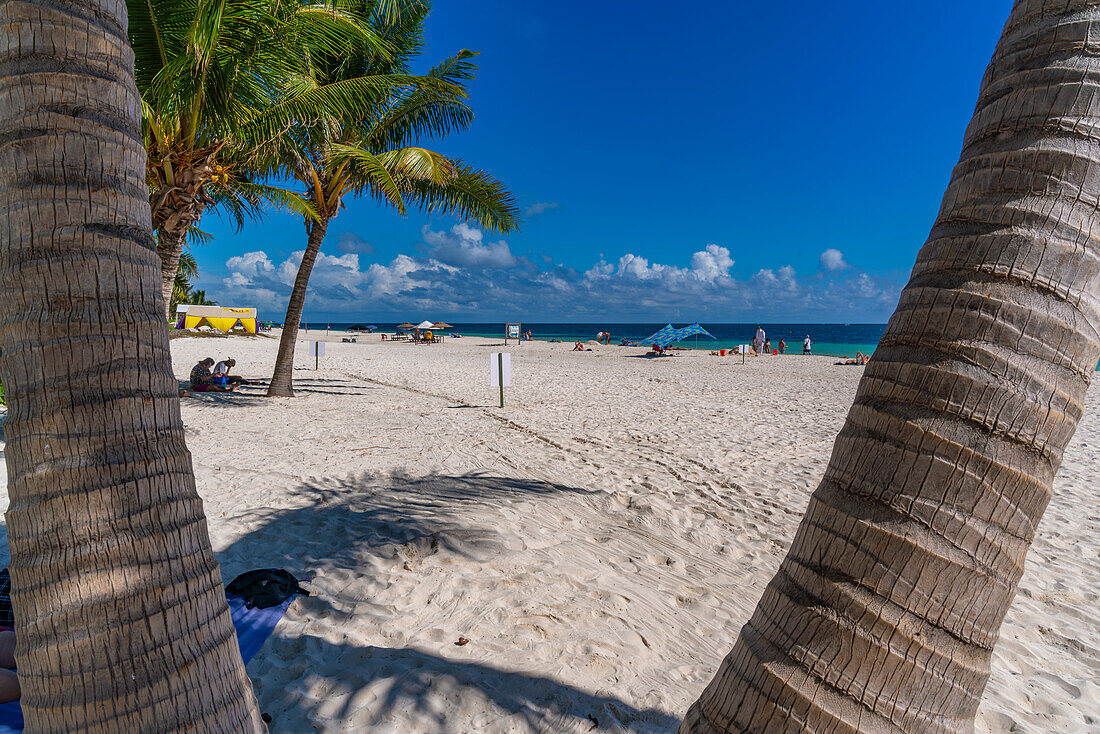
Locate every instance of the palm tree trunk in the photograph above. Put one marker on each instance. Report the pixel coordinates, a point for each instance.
(282, 381)
(169, 249)
(883, 615)
(119, 604)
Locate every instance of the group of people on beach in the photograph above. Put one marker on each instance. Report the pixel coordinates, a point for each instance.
(211, 376)
(761, 344)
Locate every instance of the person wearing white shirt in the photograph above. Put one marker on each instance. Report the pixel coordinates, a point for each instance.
(807, 345)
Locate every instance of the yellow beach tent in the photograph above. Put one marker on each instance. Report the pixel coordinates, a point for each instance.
(220, 317)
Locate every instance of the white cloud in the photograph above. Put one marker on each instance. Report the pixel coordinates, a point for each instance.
(600, 271)
(540, 206)
(711, 263)
(250, 264)
(833, 259)
(781, 280)
(463, 247)
(451, 278)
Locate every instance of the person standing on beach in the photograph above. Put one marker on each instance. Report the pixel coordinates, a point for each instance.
(759, 341)
(782, 346)
(807, 345)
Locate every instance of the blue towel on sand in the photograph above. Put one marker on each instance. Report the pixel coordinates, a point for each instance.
(253, 626)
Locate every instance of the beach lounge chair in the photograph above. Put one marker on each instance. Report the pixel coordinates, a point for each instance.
(253, 627)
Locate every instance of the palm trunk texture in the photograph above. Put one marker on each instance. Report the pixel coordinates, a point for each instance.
(176, 207)
(884, 614)
(282, 381)
(169, 249)
(120, 610)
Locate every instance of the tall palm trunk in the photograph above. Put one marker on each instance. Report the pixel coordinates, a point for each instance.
(282, 381)
(178, 205)
(119, 605)
(169, 250)
(883, 616)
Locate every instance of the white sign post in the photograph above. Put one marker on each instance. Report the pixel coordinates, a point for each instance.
(500, 372)
(317, 350)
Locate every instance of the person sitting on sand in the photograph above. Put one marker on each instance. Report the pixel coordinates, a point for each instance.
(202, 380)
(579, 347)
(222, 376)
(807, 345)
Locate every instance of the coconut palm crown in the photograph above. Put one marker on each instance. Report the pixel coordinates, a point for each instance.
(377, 153)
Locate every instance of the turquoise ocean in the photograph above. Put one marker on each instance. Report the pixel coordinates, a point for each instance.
(834, 340)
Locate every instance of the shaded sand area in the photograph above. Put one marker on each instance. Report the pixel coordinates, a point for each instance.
(598, 542)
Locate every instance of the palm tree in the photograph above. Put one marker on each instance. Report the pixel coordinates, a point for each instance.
(119, 603)
(883, 615)
(375, 153)
(214, 78)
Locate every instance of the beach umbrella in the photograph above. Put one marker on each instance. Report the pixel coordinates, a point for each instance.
(442, 325)
(662, 338)
(406, 325)
(424, 325)
(370, 326)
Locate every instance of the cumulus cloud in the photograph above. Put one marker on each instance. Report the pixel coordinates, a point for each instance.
(459, 272)
(463, 247)
(540, 207)
(782, 280)
(833, 260)
(713, 262)
(249, 265)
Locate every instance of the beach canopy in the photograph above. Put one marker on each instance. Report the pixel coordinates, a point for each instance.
(442, 325)
(219, 317)
(662, 338)
(370, 326)
(406, 325)
(425, 325)
(693, 330)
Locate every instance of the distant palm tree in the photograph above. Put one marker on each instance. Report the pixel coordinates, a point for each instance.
(119, 605)
(376, 153)
(884, 614)
(218, 78)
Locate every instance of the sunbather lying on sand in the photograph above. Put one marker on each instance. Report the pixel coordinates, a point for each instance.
(860, 359)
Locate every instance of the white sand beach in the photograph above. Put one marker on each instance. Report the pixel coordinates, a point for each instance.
(599, 541)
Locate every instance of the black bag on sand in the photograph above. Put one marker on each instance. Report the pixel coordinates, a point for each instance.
(265, 587)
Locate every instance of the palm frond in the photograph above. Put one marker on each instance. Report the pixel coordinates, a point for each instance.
(469, 194)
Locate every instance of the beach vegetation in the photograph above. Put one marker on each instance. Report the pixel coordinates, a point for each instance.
(379, 154)
(217, 79)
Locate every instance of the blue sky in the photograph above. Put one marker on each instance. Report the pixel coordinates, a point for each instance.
(676, 161)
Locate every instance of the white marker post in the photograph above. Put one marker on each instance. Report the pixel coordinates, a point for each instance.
(317, 349)
(500, 372)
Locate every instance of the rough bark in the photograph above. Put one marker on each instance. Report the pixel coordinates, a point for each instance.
(884, 614)
(120, 610)
(282, 381)
(178, 205)
(169, 248)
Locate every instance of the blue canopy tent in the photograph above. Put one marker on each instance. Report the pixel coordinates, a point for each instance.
(693, 330)
(662, 338)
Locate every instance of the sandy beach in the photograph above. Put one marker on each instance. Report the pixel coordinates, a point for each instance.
(599, 541)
